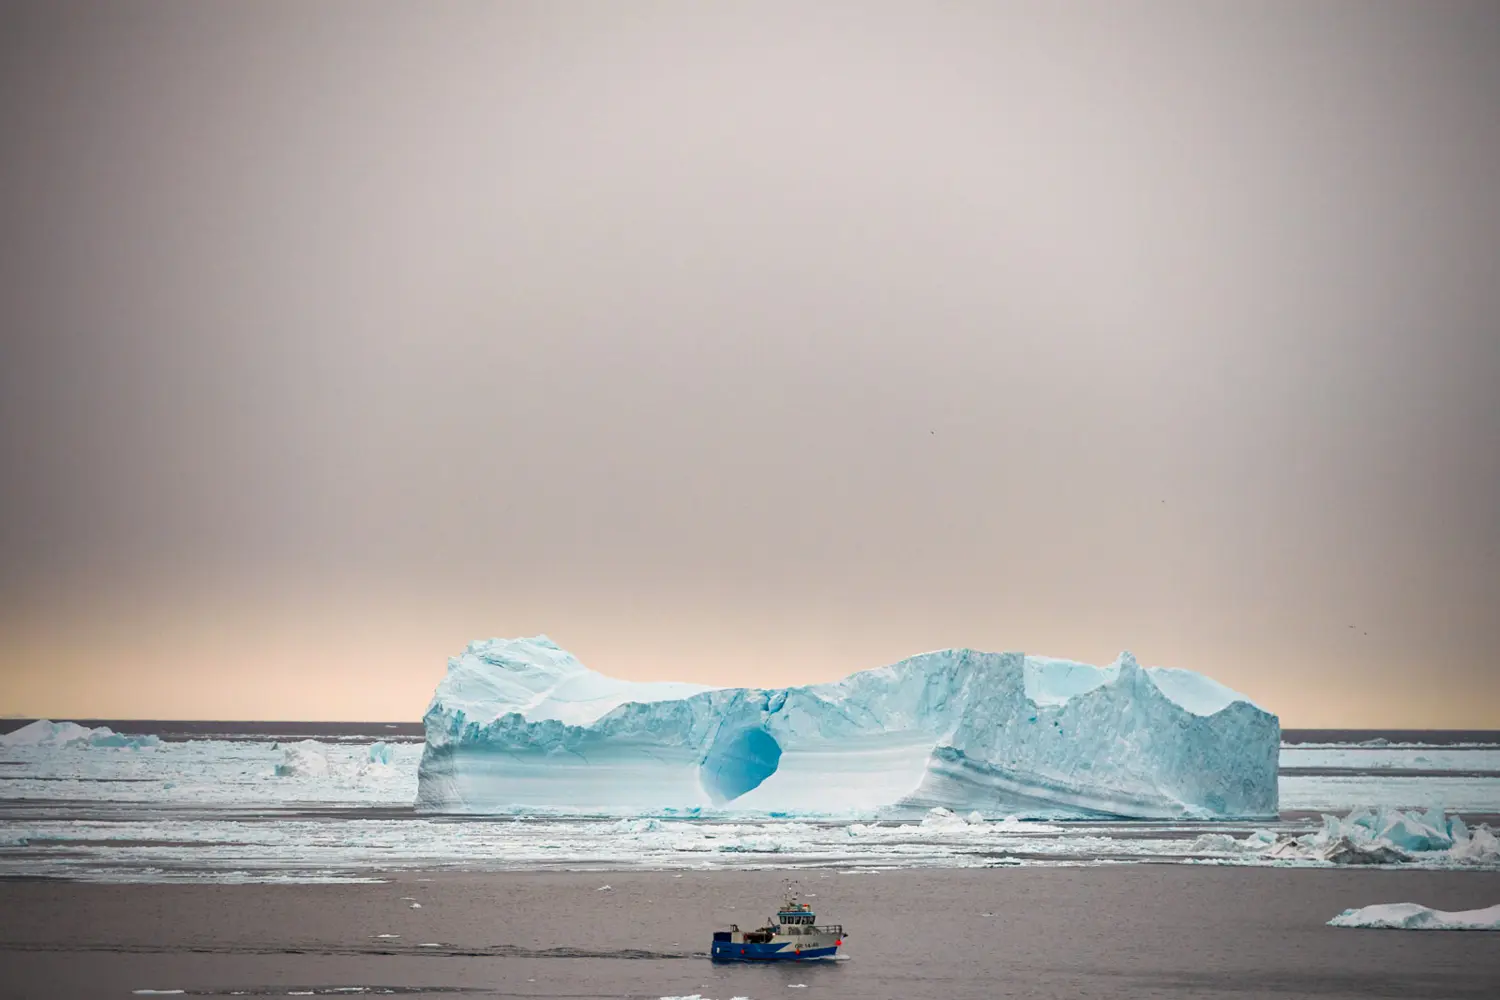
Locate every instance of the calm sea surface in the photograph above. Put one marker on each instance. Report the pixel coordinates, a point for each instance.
(1128, 931)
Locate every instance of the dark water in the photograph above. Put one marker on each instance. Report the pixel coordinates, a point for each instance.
(1126, 931)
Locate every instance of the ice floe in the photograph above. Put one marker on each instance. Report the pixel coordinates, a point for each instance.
(1342, 792)
(1415, 917)
(1357, 759)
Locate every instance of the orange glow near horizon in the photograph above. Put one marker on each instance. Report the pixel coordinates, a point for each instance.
(377, 657)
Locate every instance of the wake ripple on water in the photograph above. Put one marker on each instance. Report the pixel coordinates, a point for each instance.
(314, 991)
(341, 951)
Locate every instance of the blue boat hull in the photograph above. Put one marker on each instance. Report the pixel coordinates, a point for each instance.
(724, 951)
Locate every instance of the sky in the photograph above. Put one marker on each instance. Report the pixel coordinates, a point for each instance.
(747, 344)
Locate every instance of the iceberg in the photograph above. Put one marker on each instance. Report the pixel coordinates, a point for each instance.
(520, 724)
(45, 734)
(1415, 917)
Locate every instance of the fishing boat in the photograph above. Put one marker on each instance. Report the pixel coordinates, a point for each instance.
(792, 935)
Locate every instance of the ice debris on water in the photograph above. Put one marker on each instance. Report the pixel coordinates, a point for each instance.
(649, 825)
(1391, 836)
(520, 723)
(1415, 917)
(943, 818)
(1224, 843)
(1382, 836)
(310, 759)
(46, 734)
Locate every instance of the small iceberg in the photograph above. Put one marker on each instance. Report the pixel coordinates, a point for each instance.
(1415, 917)
(1387, 837)
(304, 759)
(1384, 836)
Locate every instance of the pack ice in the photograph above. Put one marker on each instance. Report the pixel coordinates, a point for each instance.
(521, 724)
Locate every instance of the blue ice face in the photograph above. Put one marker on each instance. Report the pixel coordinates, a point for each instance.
(738, 762)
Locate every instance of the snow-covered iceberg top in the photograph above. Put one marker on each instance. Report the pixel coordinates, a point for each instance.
(520, 723)
(43, 733)
(1415, 917)
(538, 680)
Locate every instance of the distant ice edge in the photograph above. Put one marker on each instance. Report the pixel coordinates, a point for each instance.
(46, 734)
(520, 723)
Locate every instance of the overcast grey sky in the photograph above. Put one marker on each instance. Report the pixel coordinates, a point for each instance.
(748, 343)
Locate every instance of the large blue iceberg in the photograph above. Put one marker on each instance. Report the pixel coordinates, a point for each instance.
(520, 724)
